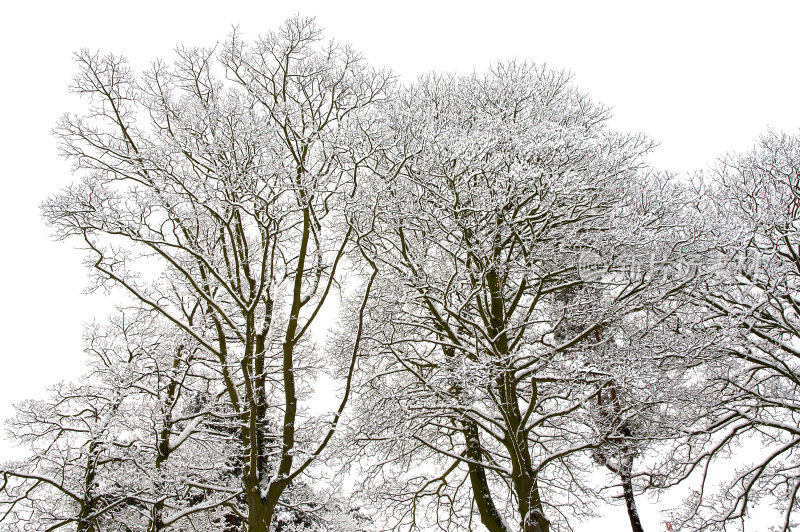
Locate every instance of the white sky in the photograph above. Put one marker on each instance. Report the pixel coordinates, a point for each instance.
(702, 78)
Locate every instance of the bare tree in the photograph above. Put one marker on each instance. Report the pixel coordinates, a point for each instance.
(646, 398)
(72, 438)
(213, 191)
(176, 442)
(107, 442)
(750, 309)
(646, 360)
(507, 195)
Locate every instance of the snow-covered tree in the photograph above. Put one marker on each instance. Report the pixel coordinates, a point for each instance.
(752, 312)
(213, 191)
(66, 480)
(512, 292)
(126, 443)
(508, 198)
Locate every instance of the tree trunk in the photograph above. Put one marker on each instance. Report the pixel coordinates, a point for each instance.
(523, 476)
(534, 519)
(490, 517)
(258, 518)
(630, 502)
(86, 514)
(156, 517)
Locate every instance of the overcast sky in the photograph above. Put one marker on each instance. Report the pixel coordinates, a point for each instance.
(701, 78)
